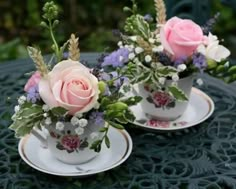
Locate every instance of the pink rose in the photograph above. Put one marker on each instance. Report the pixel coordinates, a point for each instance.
(161, 98)
(70, 85)
(181, 37)
(33, 80)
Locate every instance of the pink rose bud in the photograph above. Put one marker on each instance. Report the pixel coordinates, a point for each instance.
(181, 37)
(33, 80)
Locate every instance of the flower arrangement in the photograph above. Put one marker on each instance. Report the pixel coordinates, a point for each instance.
(153, 53)
(70, 92)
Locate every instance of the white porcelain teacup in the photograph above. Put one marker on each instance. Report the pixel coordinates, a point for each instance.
(160, 105)
(66, 145)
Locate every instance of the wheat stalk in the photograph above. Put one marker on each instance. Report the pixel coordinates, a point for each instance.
(37, 57)
(74, 51)
(160, 13)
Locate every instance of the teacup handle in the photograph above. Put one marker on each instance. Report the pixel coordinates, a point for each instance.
(41, 137)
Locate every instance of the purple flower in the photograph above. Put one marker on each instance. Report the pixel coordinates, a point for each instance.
(180, 60)
(33, 94)
(117, 58)
(113, 75)
(97, 118)
(199, 61)
(148, 18)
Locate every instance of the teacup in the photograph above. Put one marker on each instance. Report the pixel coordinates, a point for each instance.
(66, 145)
(161, 105)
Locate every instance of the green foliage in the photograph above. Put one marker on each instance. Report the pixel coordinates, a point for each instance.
(177, 93)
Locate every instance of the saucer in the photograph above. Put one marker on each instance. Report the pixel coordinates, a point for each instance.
(200, 108)
(41, 159)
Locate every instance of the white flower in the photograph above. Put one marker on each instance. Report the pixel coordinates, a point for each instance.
(151, 40)
(17, 108)
(78, 114)
(48, 121)
(22, 100)
(148, 58)
(159, 48)
(46, 108)
(79, 130)
(138, 50)
(133, 38)
(175, 77)
(213, 50)
(131, 56)
(199, 82)
(59, 126)
(94, 135)
(96, 105)
(83, 122)
(181, 67)
(74, 121)
(120, 44)
(45, 115)
(162, 80)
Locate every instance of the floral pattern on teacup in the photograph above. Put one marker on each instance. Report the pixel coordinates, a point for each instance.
(161, 124)
(160, 99)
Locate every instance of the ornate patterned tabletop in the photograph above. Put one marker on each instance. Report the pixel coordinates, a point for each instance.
(203, 156)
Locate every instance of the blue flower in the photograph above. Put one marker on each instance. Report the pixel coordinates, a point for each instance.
(180, 60)
(112, 75)
(117, 58)
(97, 118)
(33, 94)
(199, 61)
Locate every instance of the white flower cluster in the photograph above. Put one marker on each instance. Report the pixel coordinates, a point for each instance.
(79, 124)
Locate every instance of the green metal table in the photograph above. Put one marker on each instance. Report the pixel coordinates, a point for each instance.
(203, 156)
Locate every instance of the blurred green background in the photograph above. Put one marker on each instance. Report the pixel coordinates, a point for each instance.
(93, 21)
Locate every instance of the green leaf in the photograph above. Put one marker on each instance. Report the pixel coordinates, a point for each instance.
(105, 102)
(116, 125)
(132, 100)
(165, 71)
(102, 87)
(59, 111)
(232, 70)
(118, 106)
(177, 93)
(104, 129)
(107, 141)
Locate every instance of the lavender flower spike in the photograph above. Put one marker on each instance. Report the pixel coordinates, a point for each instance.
(117, 58)
(199, 61)
(33, 94)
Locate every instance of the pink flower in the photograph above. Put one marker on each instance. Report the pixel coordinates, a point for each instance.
(181, 37)
(157, 123)
(161, 98)
(70, 85)
(33, 80)
(70, 142)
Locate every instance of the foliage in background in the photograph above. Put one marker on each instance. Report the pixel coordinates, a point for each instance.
(92, 21)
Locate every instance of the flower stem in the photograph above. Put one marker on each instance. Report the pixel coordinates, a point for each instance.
(56, 48)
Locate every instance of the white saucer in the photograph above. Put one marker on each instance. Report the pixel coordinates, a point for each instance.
(41, 159)
(200, 108)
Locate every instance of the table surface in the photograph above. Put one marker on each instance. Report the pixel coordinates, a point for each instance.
(203, 156)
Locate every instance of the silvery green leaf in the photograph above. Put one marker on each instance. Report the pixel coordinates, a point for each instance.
(177, 93)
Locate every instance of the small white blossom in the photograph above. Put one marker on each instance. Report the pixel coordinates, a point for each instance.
(46, 108)
(162, 80)
(78, 114)
(148, 58)
(181, 67)
(133, 38)
(94, 135)
(199, 82)
(160, 48)
(48, 121)
(126, 46)
(74, 121)
(45, 115)
(96, 105)
(22, 100)
(79, 130)
(151, 40)
(13, 117)
(138, 50)
(120, 44)
(131, 56)
(83, 122)
(17, 108)
(59, 126)
(175, 77)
